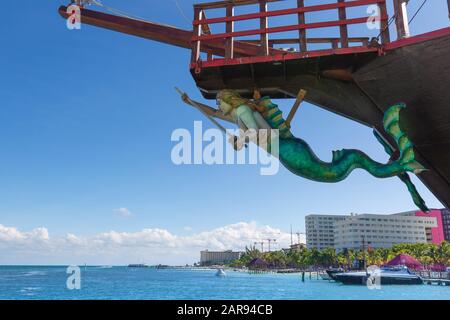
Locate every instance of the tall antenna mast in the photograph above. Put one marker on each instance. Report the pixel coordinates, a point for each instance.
(262, 245)
(291, 237)
(271, 240)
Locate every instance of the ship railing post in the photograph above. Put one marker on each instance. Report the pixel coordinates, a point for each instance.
(263, 25)
(384, 25)
(196, 45)
(302, 32)
(229, 46)
(448, 4)
(335, 44)
(343, 28)
(401, 18)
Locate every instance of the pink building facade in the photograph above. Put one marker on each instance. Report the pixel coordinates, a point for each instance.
(436, 235)
(446, 223)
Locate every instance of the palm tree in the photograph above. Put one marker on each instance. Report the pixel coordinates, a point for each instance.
(328, 257)
(249, 254)
(443, 253)
(304, 258)
(424, 252)
(433, 254)
(276, 259)
(314, 257)
(385, 255)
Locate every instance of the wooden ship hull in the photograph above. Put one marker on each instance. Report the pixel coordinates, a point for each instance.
(361, 87)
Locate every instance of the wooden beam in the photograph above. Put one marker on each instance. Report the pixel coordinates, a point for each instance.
(314, 25)
(162, 33)
(300, 97)
(363, 40)
(224, 4)
(302, 32)
(196, 45)
(264, 38)
(205, 27)
(338, 74)
(229, 42)
(343, 28)
(335, 43)
(401, 20)
(448, 4)
(297, 10)
(384, 26)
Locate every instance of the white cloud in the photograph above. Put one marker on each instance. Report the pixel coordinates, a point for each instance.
(151, 245)
(10, 234)
(124, 212)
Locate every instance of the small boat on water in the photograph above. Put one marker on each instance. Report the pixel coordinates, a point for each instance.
(220, 273)
(137, 265)
(325, 276)
(387, 275)
(333, 271)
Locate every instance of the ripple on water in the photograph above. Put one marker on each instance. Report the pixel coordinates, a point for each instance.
(34, 273)
(120, 283)
(30, 291)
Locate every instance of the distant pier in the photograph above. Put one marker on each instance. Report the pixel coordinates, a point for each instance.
(435, 278)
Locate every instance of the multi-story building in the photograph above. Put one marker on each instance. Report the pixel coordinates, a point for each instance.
(218, 257)
(378, 231)
(446, 223)
(382, 231)
(436, 234)
(320, 230)
(297, 247)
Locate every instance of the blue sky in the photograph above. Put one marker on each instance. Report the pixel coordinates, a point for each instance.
(86, 119)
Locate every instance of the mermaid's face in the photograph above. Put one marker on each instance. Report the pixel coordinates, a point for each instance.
(225, 107)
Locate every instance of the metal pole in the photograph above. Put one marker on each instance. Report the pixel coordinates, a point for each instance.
(401, 18)
(385, 35)
(196, 46)
(448, 2)
(343, 28)
(302, 32)
(291, 230)
(229, 46)
(263, 25)
(364, 251)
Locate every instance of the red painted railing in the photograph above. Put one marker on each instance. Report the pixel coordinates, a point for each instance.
(202, 30)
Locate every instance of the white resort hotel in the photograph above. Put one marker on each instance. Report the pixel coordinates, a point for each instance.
(379, 231)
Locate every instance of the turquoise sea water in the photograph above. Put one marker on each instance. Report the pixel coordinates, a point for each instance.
(18, 282)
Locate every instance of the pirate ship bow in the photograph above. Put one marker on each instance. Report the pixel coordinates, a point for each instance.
(356, 77)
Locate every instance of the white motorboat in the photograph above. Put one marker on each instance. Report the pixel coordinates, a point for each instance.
(387, 275)
(220, 273)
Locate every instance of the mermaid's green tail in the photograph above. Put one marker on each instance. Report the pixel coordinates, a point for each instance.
(298, 157)
(404, 177)
(405, 146)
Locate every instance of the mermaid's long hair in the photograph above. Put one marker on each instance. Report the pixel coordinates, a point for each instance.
(235, 100)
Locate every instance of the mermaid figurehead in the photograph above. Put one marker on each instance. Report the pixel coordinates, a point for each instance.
(298, 157)
(246, 114)
(229, 102)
